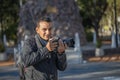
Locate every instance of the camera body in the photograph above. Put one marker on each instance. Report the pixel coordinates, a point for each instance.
(69, 41)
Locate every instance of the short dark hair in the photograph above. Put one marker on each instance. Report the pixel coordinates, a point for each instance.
(44, 18)
(47, 19)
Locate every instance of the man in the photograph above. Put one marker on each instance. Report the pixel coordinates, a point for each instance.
(41, 56)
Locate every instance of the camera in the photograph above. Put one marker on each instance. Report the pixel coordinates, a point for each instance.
(69, 41)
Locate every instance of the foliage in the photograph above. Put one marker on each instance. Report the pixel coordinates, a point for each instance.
(111, 6)
(109, 13)
(89, 34)
(2, 48)
(96, 10)
(99, 43)
(9, 18)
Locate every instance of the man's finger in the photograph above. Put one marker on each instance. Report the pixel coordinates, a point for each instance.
(65, 45)
(61, 43)
(50, 40)
(55, 43)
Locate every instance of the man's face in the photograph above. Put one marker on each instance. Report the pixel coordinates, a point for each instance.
(44, 29)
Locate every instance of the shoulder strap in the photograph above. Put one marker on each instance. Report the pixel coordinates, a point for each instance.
(39, 44)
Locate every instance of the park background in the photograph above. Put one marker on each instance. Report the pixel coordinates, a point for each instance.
(94, 23)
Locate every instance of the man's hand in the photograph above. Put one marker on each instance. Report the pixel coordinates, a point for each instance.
(51, 46)
(62, 46)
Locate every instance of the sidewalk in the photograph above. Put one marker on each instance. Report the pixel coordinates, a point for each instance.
(92, 71)
(111, 58)
(90, 46)
(108, 58)
(6, 63)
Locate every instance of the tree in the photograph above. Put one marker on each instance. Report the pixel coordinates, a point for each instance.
(64, 13)
(92, 12)
(9, 18)
(111, 15)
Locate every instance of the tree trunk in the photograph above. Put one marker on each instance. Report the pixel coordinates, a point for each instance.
(64, 13)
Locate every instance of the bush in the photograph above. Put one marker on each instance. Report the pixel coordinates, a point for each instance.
(99, 43)
(89, 34)
(2, 48)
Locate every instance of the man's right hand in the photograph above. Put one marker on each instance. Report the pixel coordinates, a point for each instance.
(51, 46)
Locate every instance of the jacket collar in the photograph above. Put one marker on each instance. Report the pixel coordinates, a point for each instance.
(40, 42)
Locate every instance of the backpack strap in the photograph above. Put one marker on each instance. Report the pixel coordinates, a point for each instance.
(21, 72)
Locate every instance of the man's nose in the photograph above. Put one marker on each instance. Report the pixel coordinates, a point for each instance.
(48, 32)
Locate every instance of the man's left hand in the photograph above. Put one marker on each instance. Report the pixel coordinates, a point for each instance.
(62, 46)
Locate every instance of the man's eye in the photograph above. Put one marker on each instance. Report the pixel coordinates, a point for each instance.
(44, 29)
(51, 29)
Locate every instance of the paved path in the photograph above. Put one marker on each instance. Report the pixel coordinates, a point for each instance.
(9, 73)
(88, 71)
(74, 71)
(92, 71)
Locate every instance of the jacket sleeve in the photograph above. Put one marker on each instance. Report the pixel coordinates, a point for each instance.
(31, 57)
(61, 62)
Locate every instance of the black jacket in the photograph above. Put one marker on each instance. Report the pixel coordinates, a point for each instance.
(39, 63)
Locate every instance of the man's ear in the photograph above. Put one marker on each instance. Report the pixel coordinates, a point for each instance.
(36, 29)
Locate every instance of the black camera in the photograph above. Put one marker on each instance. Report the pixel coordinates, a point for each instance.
(69, 41)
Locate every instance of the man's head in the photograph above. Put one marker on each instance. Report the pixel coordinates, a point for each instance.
(44, 28)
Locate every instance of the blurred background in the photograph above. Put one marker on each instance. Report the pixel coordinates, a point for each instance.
(91, 23)
(96, 22)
